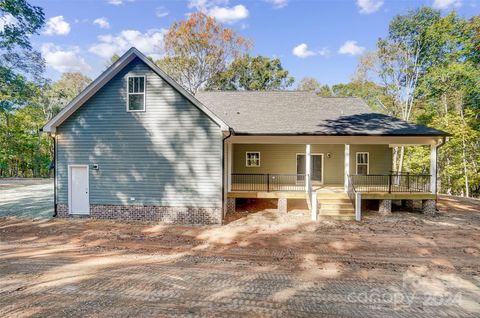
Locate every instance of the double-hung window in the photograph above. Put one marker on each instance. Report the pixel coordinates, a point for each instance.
(363, 163)
(252, 159)
(136, 94)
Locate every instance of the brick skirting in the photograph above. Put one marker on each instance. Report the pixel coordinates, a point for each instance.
(177, 215)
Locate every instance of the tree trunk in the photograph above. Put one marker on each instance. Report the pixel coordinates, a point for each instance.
(402, 155)
(395, 153)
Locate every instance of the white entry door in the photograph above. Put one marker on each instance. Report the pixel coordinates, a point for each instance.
(78, 192)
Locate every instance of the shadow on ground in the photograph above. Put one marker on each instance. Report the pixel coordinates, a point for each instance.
(261, 265)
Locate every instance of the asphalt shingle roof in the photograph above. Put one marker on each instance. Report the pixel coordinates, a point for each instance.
(304, 113)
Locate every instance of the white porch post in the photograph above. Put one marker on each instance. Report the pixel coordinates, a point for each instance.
(433, 168)
(347, 167)
(308, 165)
(229, 166)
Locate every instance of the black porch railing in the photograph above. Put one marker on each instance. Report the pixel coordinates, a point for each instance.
(268, 182)
(404, 182)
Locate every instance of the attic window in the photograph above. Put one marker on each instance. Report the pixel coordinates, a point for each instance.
(136, 94)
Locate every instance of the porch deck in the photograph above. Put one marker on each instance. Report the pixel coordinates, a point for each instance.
(330, 191)
(292, 186)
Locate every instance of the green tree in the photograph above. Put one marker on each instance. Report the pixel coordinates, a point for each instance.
(62, 92)
(309, 84)
(252, 73)
(115, 57)
(403, 58)
(198, 48)
(325, 91)
(21, 68)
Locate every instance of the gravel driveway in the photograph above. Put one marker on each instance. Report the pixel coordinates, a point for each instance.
(26, 198)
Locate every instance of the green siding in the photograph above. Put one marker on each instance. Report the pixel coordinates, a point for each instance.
(170, 155)
(282, 159)
(380, 157)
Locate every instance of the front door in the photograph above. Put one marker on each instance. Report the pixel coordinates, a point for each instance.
(316, 172)
(78, 190)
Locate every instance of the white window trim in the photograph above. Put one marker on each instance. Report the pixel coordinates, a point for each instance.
(368, 161)
(246, 159)
(144, 94)
(321, 154)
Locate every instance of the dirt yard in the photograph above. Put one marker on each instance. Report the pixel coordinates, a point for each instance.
(258, 265)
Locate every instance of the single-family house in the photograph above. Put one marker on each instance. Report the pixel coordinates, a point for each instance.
(135, 145)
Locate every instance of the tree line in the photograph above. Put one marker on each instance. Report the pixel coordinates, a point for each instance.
(426, 70)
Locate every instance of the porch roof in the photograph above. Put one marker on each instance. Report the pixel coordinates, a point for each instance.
(304, 113)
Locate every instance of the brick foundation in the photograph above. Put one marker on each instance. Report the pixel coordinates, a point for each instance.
(177, 215)
(231, 205)
(429, 207)
(385, 207)
(282, 205)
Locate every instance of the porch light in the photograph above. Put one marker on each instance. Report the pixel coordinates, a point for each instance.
(329, 155)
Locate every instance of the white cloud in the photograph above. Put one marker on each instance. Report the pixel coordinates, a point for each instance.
(149, 43)
(302, 51)
(443, 4)
(115, 2)
(102, 23)
(278, 4)
(64, 60)
(324, 52)
(7, 20)
(369, 6)
(218, 10)
(57, 26)
(351, 48)
(201, 5)
(161, 12)
(228, 15)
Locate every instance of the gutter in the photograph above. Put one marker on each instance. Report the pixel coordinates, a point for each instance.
(230, 131)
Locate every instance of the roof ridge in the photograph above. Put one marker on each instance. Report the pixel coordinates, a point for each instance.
(266, 91)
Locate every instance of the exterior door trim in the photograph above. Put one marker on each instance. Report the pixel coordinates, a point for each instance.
(70, 188)
(323, 164)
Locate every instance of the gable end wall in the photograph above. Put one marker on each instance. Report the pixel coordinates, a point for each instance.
(168, 156)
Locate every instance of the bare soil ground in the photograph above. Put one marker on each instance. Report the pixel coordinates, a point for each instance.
(258, 265)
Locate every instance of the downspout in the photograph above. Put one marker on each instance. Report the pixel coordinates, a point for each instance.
(444, 140)
(54, 167)
(230, 130)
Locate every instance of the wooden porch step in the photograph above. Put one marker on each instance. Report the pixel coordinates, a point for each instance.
(335, 205)
(336, 211)
(332, 196)
(337, 217)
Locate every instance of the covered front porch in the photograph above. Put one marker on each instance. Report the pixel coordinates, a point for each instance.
(332, 177)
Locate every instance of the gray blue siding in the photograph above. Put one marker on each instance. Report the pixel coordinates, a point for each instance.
(169, 155)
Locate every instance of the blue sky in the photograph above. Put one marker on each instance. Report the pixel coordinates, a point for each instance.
(322, 39)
